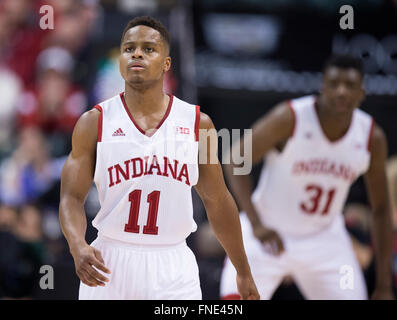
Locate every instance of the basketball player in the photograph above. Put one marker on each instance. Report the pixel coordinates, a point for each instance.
(315, 147)
(144, 178)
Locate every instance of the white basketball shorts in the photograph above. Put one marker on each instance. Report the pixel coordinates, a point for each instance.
(323, 266)
(143, 272)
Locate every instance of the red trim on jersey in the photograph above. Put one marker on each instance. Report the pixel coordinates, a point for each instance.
(167, 112)
(99, 108)
(197, 123)
(289, 102)
(332, 142)
(370, 135)
(132, 119)
(233, 296)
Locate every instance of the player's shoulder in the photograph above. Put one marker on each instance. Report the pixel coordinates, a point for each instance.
(205, 121)
(110, 102)
(377, 146)
(377, 140)
(287, 110)
(378, 136)
(367, 124)
(85, 132)
(182, 104)
(183, 108)
(280, 115)
(306, 101)
(89, 119)
(87, 125)
(191, 111)
(363, 116)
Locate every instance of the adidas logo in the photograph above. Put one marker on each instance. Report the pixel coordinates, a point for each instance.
(118, 132)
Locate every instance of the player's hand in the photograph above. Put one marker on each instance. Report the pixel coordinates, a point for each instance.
(85, 259)
(269, 238)
(247, 288)
(382, 294)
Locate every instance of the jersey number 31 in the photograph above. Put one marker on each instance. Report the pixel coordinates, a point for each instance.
(312, 205)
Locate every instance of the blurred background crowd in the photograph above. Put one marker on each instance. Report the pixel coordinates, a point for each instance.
(234, 58)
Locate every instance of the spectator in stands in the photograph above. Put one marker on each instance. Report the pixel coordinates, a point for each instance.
(54, 104)
(75, 21)
(23, 253)
(30, 171)
(10, 89)
(21, 38)
(8, 218)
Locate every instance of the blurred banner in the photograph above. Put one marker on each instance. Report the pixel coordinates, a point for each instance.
(256, 53)
(257, 46)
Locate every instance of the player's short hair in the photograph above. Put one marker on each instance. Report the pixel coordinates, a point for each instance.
(151, 23)
(345, 61)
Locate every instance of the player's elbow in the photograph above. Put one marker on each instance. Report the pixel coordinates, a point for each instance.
(218, 204)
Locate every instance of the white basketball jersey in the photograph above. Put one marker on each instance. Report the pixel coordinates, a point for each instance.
(304, 188)
(144, 183)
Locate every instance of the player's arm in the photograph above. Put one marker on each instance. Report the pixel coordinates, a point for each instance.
(222, 210)
(376, 183)
(272, 130)
(76, 181)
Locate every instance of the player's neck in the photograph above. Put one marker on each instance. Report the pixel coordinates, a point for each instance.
(334, 125)
(145, 100)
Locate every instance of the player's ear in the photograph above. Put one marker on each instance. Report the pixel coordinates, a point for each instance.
(167, 64)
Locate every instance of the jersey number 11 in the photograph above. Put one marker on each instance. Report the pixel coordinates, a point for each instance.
(135, 198)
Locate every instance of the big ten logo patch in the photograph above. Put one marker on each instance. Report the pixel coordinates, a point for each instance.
(182, 130)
